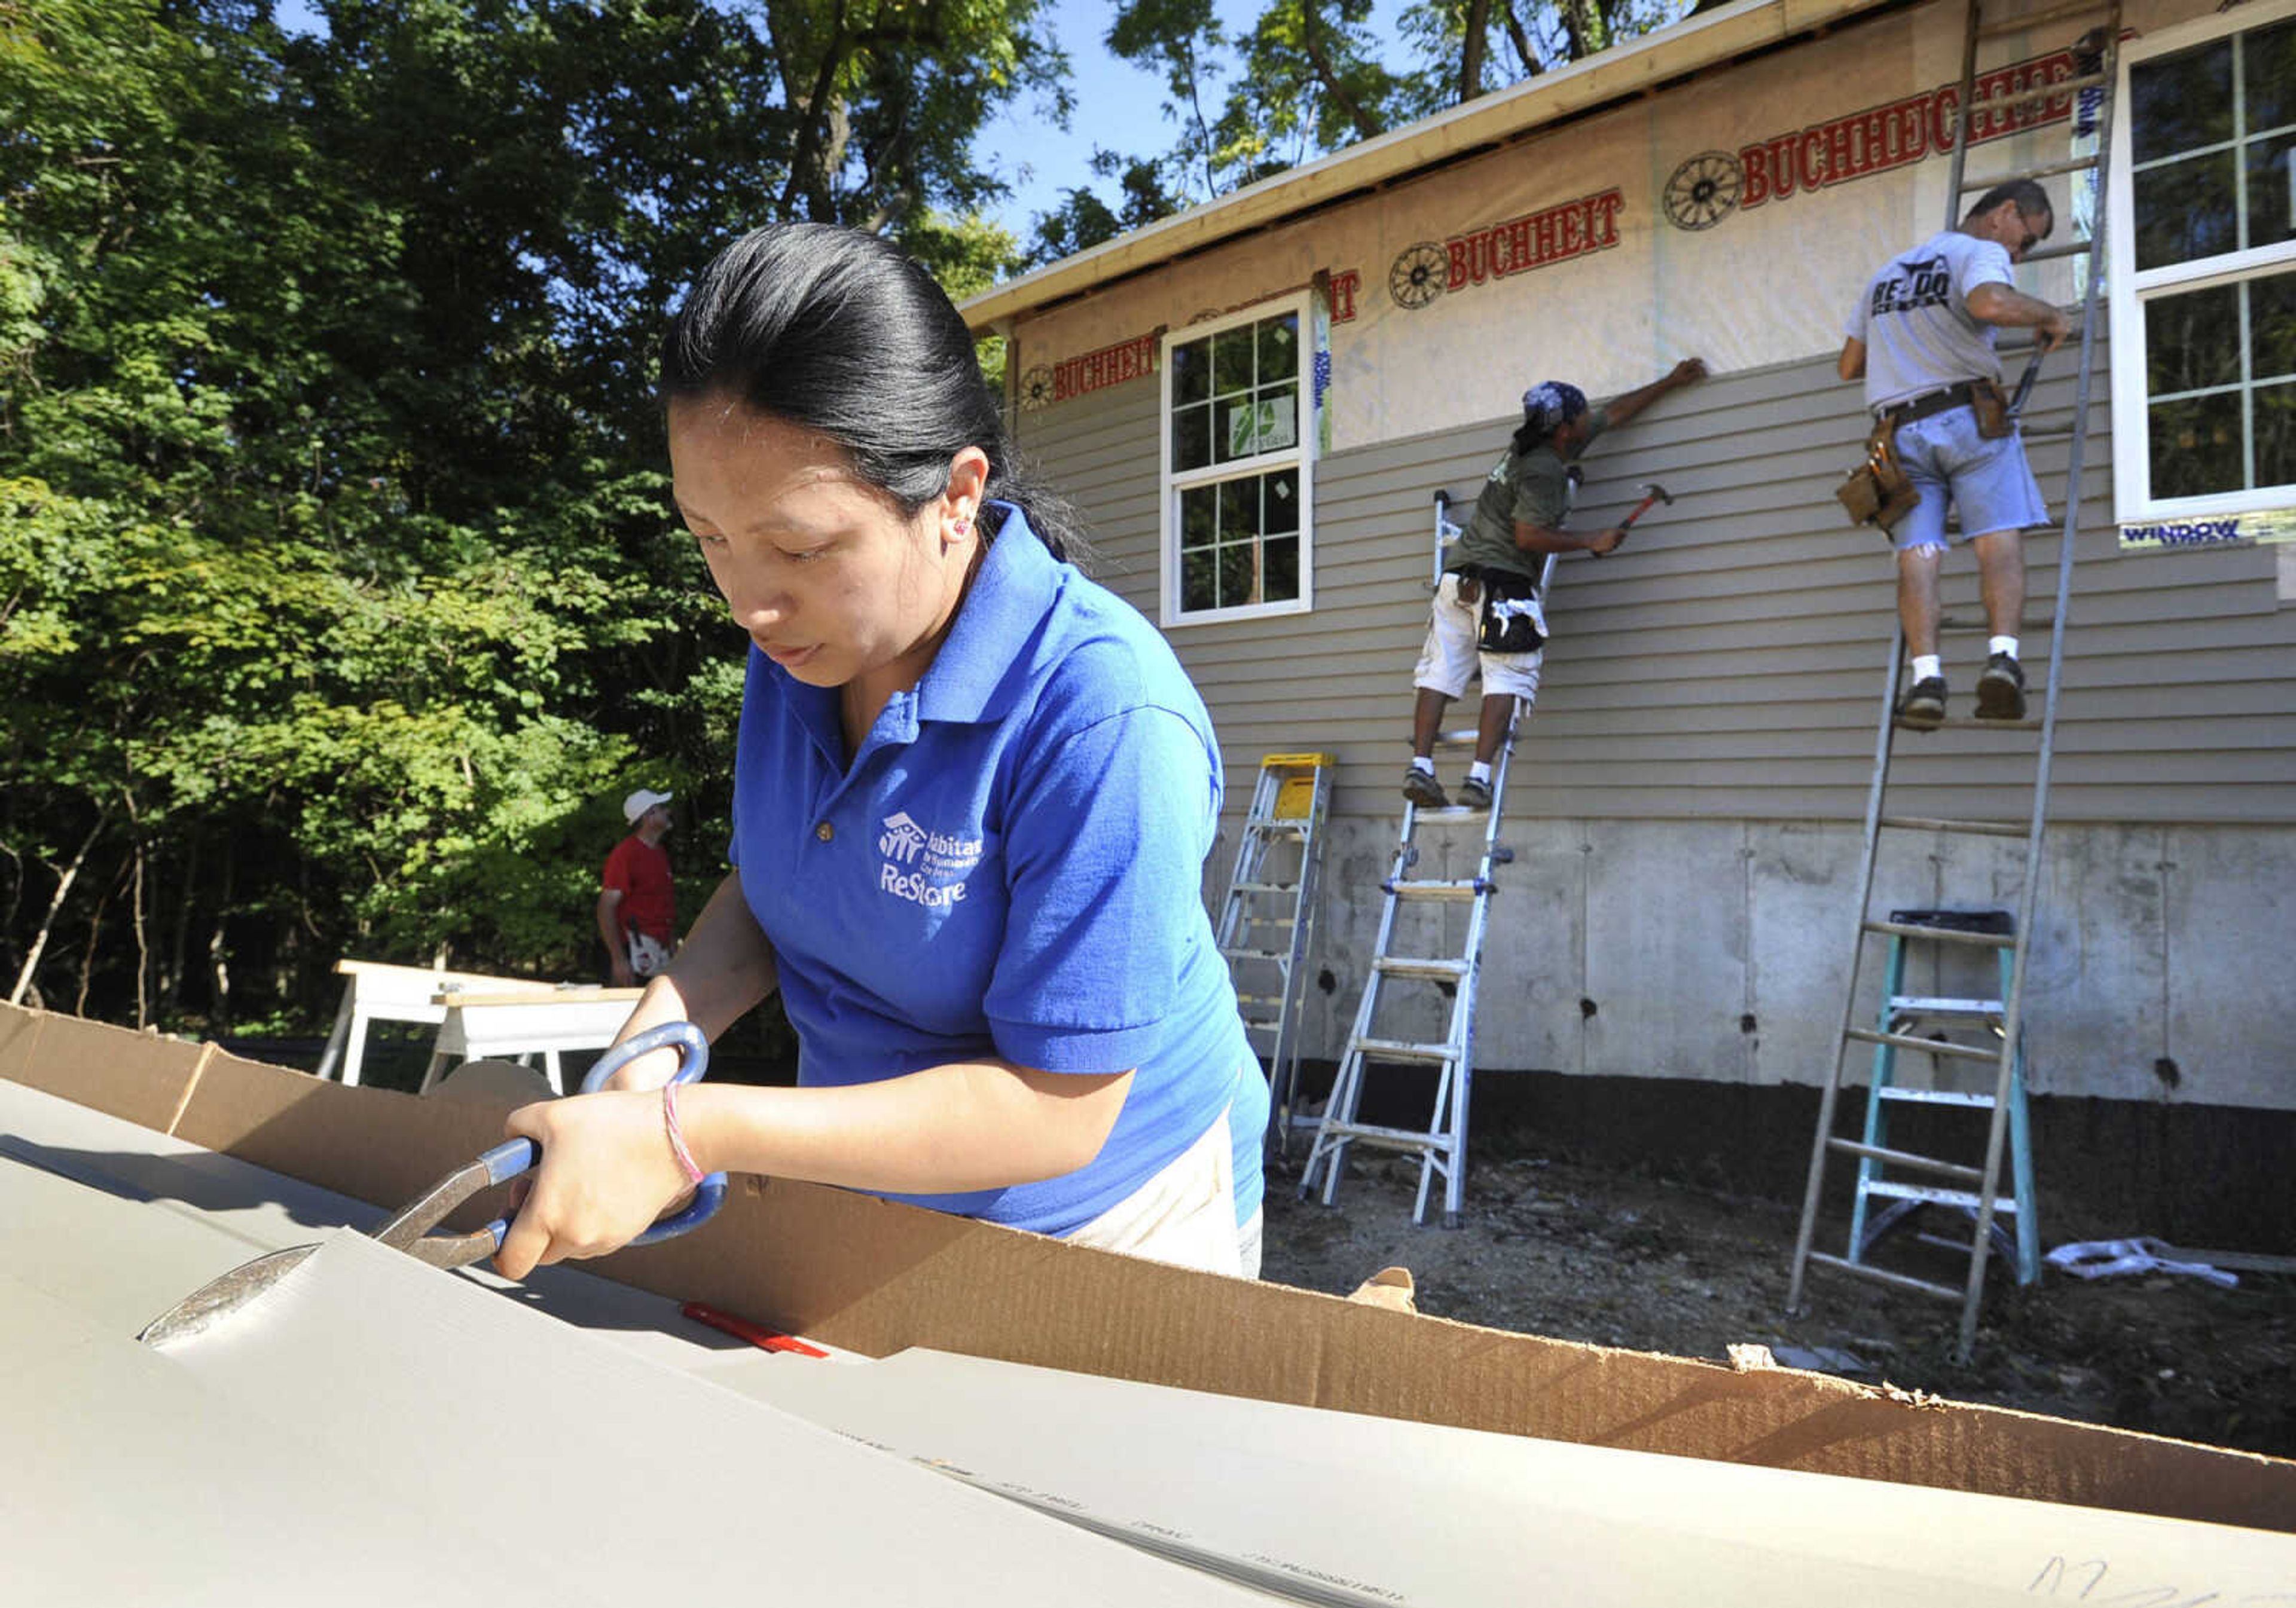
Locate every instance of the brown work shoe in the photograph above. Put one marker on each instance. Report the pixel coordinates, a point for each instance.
(1421, 787)
(2001, 689)
(1923, 706)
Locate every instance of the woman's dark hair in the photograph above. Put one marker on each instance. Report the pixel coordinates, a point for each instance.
(838, 333)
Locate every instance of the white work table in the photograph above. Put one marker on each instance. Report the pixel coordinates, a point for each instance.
(474, 1026)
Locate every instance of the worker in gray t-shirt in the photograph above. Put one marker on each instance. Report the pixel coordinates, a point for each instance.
(1921, 336)
(1490, 577)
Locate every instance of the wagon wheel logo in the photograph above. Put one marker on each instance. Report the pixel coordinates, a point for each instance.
(1037, 387)
(1420, 275)
(1703, 191)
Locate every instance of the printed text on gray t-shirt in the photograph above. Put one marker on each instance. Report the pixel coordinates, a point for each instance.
(1914, 318)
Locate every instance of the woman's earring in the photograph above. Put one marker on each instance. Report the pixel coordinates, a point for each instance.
(962, 527)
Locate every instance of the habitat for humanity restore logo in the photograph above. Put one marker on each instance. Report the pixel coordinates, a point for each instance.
(923, 867)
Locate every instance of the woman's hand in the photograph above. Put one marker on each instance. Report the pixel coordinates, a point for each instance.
(606, 1175)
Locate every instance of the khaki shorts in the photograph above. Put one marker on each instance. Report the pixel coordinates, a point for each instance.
(1186, 1214)
(1452, 653)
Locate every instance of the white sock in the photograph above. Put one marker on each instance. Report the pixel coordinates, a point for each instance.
(1478, 772)
(2002, 644)
(1927, 665)
(1423, 764)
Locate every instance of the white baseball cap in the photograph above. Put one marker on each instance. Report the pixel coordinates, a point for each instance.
(638, 802)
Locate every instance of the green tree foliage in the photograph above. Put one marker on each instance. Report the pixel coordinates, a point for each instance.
(1311, 76)
(340, 598)
(1083, 220)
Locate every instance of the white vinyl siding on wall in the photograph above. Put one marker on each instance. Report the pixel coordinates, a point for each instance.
(2203, 274)
(1728, 661)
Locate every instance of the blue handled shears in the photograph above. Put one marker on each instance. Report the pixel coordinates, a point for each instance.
(409, 1231)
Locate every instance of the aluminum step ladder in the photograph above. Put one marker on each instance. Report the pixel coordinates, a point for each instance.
(1907, 1020)
(2001, 1019)
(1441, 1147)
(1267, 928)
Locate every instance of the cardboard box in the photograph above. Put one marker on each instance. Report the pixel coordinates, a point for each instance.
(877, 1277)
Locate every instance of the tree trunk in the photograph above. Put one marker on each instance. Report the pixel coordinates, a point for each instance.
(172, 976)
(1528, 57)
(143, 947)
(821, 135)
(219, 1005)
(1320, 60)
(1471, 53)
(56, 903)
(88, 956)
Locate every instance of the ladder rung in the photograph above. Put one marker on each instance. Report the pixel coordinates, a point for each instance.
(1934, 1097)
(1966, 723)
(1459, 891)
(1934, 1005)
(2028, 627)
(1943, 935)
(2071, 247)
(1941, 823)
(1906, 1040)
(1465, 738)
(1994, 105)
(1250, 1025)
(1256, 954)
(1398, 966)
(1904, 1158)
(1266, 887)
(1930, 1197)
(1389, 1138)
(2041, 18)
(2046, 170)
(1452, 815)
(1286, 827)
(1404, 1049)
(1842, 1264)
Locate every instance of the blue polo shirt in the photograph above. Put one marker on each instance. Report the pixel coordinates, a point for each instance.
(1011, 866)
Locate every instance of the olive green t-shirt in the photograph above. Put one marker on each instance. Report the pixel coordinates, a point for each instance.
(1534, 488)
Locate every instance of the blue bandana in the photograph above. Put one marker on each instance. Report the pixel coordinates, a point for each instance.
(1551, 402)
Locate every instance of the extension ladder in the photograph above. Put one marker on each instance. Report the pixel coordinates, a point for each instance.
(1272, 894)
(1441, 1147)
(1974, 1191)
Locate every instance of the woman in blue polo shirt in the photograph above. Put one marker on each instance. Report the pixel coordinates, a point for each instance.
(973, 794)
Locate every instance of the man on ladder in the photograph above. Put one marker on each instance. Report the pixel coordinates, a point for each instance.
(1487, 611)
(1921, 336)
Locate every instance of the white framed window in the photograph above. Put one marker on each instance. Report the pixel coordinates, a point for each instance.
(1238, 465)
(2203, 276)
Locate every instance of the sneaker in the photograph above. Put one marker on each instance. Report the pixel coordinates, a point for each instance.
(2001, 689)
(1421, 787)
(1923, 706)
(1475, 794)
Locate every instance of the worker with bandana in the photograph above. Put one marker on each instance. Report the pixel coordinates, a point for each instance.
(1487, 613)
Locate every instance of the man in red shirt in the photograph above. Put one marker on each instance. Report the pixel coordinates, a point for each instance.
(637, 906)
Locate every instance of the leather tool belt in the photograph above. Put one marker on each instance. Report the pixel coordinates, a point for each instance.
(1982, 396)
(1877, 492)
(1512, 620)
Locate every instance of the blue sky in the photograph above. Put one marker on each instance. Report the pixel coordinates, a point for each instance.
(1118, 104)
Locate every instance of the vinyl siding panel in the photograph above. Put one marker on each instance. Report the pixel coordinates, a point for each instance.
(1728, 661)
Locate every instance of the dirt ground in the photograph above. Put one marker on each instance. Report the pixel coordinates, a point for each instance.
(1551, 1247)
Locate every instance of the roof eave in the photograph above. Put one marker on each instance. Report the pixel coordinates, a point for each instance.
(1672, 53)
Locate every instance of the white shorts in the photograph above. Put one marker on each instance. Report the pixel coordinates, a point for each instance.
(1451, 653)
(1186, 1214)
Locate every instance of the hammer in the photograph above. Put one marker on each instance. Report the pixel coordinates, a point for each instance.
(1653, 492)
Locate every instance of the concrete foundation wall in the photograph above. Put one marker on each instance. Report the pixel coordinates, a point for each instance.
(1718, 949)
